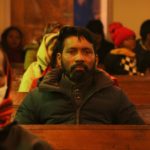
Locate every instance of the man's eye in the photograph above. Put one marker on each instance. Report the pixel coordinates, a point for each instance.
(72, 51)
(88, 51)
(1, 74)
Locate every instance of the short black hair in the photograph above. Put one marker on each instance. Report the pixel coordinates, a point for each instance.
(66, 32)
(6, 33)
(145, 29)
(96, 26)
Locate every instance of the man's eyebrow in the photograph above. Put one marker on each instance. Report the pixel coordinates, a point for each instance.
(1, 72)
(71, 48)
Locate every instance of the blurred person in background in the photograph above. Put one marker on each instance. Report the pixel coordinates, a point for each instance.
(39, 67)
(32, 48)
(103, 45)
(142, 48)
(77, 92)
(122, 59)
(13, 136)
(12, 43)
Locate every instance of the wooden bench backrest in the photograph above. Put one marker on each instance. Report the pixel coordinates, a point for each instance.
(94, 137)
(137, 89)
(143, 107)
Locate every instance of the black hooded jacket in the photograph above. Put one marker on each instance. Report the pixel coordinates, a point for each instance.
(59, 101)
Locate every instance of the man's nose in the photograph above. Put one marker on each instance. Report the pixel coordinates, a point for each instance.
(79, 56)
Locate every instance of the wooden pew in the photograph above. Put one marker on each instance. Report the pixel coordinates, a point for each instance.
(138, 90)
(136, 87)
(134, 82)
(144, 112)
(94, 137)
(139, 98)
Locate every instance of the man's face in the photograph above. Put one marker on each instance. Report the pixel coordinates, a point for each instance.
(78, 58)
(130, 42)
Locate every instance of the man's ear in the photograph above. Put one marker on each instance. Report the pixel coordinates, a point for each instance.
(97, 59)
(148, 36)
(58, 59)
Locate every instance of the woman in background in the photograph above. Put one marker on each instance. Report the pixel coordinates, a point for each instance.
(39, 67)
(103, 45)
(31, 49)
(12, 43)
(142, 49)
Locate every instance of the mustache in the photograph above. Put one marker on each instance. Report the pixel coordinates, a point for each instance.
(80, 64)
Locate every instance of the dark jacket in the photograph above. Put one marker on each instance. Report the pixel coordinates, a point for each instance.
(143, 57)
(95, 101)
(121, 61)
(14, 137)
(104, 49)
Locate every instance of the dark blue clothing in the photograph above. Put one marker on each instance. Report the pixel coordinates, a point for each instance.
(104, 49)
(143, 57)
(83, 13)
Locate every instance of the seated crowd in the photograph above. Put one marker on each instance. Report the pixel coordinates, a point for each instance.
(72, 80)
(62, 97)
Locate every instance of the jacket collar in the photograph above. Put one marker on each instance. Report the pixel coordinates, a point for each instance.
(55, 81)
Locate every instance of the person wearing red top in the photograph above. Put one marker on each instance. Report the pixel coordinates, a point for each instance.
(12, 135)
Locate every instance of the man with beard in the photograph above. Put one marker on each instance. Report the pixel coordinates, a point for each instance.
(77, 92)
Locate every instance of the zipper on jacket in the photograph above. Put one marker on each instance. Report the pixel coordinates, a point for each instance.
(78, 116)
(77, 99)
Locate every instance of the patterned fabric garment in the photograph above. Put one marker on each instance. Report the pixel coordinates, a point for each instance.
(6, 110)
(129, 64)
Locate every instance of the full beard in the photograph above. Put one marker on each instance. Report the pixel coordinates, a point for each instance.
(79, 72)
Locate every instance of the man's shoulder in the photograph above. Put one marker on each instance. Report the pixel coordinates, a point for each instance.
(38, 95)
(103, 80)
(51, 80)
